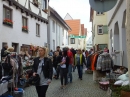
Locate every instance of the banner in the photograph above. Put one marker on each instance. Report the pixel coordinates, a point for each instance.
(73, 36)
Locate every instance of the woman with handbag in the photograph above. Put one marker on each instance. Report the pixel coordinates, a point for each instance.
(43, 67)
(64, 69)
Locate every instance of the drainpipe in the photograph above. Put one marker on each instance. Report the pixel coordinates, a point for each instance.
(128, 35)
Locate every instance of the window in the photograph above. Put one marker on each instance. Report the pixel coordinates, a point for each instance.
(44, 6)
(66, 35)
(38, 30)
(63, 32)
(72, 40)
(35, 2)
(24, 24)
(53, 25)
(100, 13)
(7, 13)
(100, 29)
(7, 16)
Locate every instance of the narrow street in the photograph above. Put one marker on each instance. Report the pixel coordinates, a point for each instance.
(85, 88)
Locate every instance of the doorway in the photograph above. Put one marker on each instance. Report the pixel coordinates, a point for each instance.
(16, 47)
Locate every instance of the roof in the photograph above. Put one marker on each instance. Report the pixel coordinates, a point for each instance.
(75, 26)
(58, 17)
(82, 29)
(68, 17)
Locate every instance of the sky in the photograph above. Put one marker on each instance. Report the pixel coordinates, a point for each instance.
(78, 9)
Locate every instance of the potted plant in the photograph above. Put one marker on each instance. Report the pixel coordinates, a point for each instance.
(8, 22)
(125, 91)
(25, 28)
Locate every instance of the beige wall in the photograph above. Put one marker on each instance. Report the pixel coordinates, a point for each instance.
(100, 20)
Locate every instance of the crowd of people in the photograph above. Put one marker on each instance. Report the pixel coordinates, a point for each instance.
(63, 63)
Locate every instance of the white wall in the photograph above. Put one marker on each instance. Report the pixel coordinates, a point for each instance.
(15, 34)
(58, 34)
(33, 8)
(122, 39)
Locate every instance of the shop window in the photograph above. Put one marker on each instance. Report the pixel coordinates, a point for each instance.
(100, 29)
(24, 24)
(38, 30)
(3, 44)
(72, 40)
(7, 16)
(102, 46)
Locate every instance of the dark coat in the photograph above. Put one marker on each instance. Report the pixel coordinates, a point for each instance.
(3, 52)
(47, 68)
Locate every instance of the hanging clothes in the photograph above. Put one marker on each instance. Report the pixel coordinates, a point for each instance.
(94, 61)
(104, 62)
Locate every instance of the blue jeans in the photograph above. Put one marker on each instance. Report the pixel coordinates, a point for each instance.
(70, 72)
(80, 70)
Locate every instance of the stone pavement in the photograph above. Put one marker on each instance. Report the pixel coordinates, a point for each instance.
(79, 88)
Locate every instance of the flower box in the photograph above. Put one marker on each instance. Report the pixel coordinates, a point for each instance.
(25, 29)
(8, 22)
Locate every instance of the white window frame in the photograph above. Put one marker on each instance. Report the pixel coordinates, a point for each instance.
(100, 27)
(62, 32)
(7, 15)
(24, 21)
(72, 40)
(37, 30)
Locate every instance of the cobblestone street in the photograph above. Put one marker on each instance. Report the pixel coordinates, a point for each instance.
(85, 88)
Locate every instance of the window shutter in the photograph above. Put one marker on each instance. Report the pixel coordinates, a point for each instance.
(105, 29)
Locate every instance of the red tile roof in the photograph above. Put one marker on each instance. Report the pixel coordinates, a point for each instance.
(74, 25)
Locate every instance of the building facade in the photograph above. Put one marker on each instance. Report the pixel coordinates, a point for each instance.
(99, 30)
(89, 43)
(23, 22)
(57, 30)
(117, 31)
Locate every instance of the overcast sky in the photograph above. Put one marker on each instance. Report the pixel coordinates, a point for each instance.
(78, 9)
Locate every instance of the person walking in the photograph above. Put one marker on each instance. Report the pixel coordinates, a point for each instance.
(43, 67)
(63, 69)
(73, 52)
(3, 51)
(79, 60)
(71, 59)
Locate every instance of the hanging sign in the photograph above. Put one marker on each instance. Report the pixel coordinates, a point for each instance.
(73, 36)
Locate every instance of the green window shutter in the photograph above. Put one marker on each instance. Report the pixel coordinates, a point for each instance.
(105, 29)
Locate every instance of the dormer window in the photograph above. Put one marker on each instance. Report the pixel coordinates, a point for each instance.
(45, 5)
(35, 2)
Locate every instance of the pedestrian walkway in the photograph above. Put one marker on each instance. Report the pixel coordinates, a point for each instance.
(79, 88)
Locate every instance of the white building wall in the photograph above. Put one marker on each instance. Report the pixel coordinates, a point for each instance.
(122, 39)
(15, 34)
(57, 36)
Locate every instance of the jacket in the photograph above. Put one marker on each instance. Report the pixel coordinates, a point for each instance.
(3, 52)
(47, 68)
(82, 59)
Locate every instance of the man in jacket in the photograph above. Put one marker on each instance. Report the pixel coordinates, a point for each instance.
(79, 60)
(3, 51)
